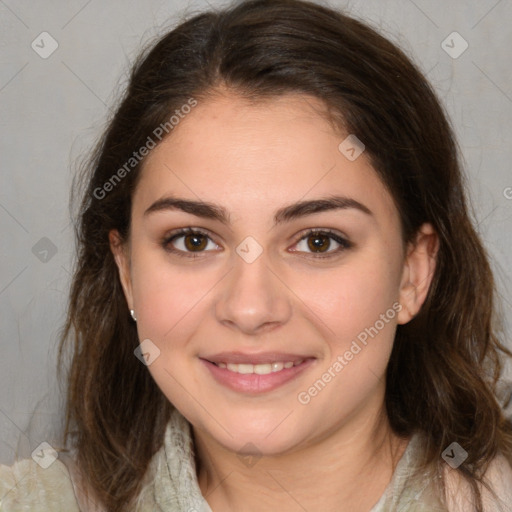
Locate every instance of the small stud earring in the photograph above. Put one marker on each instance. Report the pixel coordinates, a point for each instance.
(132, 312)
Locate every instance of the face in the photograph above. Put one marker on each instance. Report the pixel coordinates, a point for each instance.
(273, 316)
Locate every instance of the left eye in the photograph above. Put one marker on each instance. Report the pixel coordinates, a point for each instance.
(319, 242)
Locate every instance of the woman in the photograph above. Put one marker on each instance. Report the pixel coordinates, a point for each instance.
(280, 302)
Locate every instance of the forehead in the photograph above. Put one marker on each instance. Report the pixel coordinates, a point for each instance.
(251, 156)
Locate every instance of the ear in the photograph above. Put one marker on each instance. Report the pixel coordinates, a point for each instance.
(120, 252)
(418, 271)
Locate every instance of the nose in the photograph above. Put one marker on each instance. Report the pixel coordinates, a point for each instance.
(253, 299)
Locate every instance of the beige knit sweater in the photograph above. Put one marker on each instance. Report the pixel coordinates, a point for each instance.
(171, 483)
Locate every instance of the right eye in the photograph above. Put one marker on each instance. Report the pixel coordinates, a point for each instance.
(186, 242)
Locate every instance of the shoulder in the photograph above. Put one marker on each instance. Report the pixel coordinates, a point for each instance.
(498, 476)
(27, 485)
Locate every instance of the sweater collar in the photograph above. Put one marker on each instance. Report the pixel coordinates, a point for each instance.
(171, 484)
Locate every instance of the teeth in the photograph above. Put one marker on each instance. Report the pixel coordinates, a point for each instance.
(264, 369)
(259, 369)
(277, 367)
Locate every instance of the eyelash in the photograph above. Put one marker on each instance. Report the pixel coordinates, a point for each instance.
(344, 244)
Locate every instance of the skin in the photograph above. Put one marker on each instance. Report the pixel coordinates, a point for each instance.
(336, 452)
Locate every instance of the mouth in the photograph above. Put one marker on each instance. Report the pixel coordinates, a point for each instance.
(256, 374)
(259, 369)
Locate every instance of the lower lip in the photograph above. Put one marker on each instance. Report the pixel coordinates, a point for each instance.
(252, 382)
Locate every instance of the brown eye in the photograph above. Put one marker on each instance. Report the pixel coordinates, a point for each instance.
(188, 243)
(195, 242)
(317, 243)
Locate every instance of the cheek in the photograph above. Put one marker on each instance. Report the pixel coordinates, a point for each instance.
(358, 313)
(167, 297)
(170, 306)
(353, 297)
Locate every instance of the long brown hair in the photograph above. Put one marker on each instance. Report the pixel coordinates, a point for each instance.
(446, 362)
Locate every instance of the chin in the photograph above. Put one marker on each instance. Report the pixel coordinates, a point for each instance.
(268, 435)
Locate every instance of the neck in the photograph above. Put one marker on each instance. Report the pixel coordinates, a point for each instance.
(347, 469)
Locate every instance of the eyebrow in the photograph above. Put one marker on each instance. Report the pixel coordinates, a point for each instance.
(288, 213)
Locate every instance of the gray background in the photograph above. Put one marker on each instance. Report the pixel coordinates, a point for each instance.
(52, 110)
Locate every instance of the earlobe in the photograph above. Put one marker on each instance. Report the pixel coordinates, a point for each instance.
(118, 249)
(418, 272)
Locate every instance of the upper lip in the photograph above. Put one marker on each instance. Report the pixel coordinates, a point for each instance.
(260, 358)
